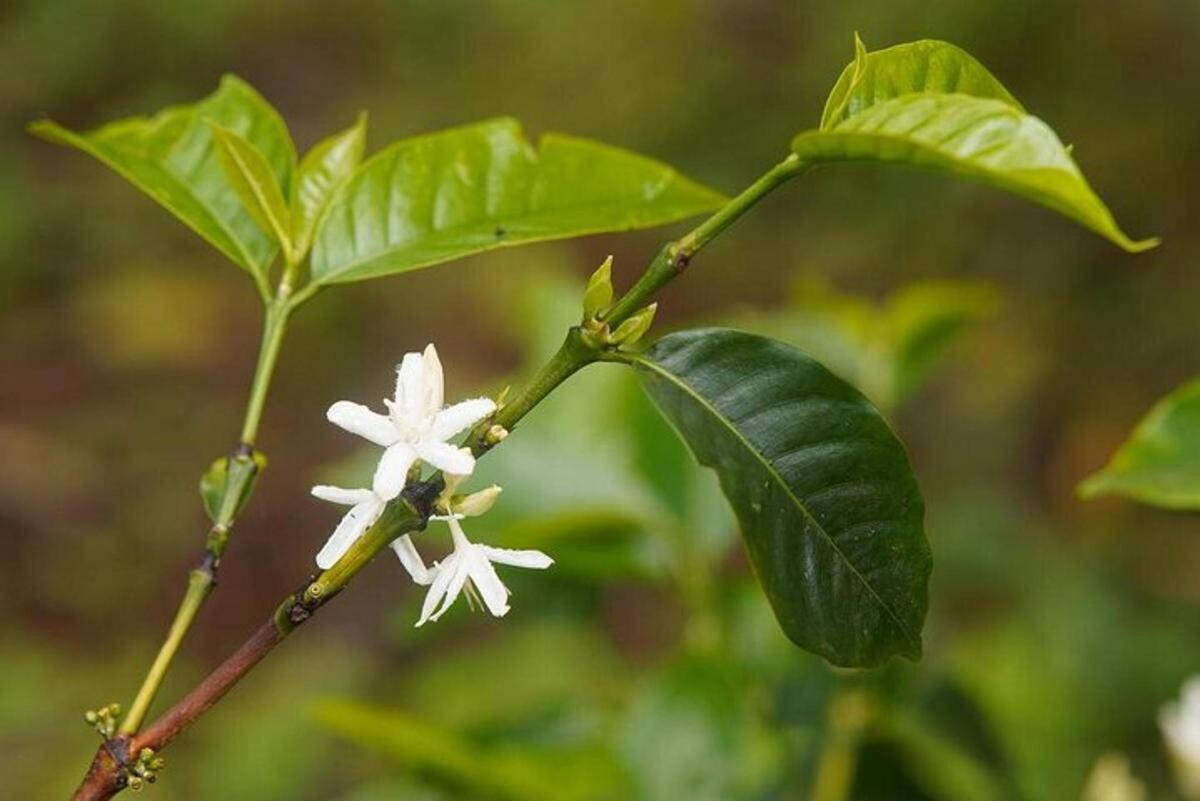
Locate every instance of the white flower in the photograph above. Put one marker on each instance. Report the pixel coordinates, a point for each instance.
(469, 565)
(365, 508)
(1180, 724)
(417, 425)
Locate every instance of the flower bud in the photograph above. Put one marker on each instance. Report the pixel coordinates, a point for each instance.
(476, 503)
(599, 293)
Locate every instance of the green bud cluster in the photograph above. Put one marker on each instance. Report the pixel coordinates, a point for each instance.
(104, 719)
(597, 299)
(144, 770)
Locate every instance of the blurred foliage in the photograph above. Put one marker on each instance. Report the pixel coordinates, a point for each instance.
(1057, 628)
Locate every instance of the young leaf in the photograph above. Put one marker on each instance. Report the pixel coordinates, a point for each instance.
(250, 176)
(828, 505)
(215, 486)
(172, 158)
(322, 170)
(1160, 462)
(466, 190)
(988, 140)
(924, 66)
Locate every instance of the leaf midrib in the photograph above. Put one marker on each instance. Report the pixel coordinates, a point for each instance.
(654, 367)
(483, 223)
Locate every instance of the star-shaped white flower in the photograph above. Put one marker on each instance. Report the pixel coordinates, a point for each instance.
(469, 566)
(417, 426)
(365, 508)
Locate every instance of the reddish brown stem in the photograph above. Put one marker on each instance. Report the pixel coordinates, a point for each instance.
(105, 777)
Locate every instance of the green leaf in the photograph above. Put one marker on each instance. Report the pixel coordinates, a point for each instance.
(466, 190)
(570, 772)
(216, 485)
(172, 158)
(322, 170)
(828, 505)
(1160, 462)
(923, 66)
(250, 175)
(988, 140)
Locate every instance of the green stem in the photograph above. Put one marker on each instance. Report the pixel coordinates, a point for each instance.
(200, 582)
(274, 327)
(241, 470)
(674, 258)
(570, 357)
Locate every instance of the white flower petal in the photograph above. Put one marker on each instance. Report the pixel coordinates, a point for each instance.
(358, 419)
(437, 590)
(535, 560)
(412, 561)
(410, 388)
(491, 588)
(462, 572)
(435, 381)
(346, 497)
(453, 419)
(446, 457)
(392, 472)
(356, 521)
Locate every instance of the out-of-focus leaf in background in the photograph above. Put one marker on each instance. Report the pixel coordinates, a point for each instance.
(1160, 463)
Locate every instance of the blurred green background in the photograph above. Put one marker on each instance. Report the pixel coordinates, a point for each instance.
(646, 664)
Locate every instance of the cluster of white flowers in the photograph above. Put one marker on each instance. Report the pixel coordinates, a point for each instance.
(417, 428)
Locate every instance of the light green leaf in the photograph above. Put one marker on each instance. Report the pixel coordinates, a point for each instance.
(988, 140)
(250, 175)
(322, 170)
(224, 492)
(828, 505)
(466, 190)
(923, 66)
(1160, 462)
(173, 159)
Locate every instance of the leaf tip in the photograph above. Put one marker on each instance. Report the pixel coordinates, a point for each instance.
(1140, 245)
(1092, 487)
(48, 130)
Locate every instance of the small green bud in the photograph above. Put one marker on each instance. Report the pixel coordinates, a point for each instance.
(496, 433)
(145, 754)
(635, 327)
(599, 293)
(91, 717)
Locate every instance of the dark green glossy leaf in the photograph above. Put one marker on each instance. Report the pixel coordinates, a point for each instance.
(250, 175)
(988, 140)
(828, 505)
(1160, 462)
(173, 159)
(466, 190)
(322, 170)
(923, 66)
